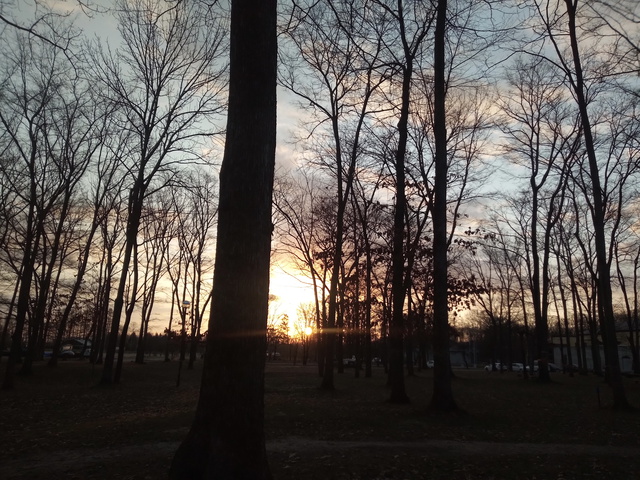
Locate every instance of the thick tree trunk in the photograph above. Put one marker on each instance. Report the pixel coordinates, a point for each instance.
(226, 439)
(634, 332)
(442, 399)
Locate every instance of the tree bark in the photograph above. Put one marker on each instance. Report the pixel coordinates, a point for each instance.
(226, 439)
(442, 399)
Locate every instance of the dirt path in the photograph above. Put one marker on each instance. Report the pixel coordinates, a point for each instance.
(61, 461)
(452, 447)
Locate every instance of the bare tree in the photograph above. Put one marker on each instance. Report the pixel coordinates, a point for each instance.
(327, 39)
(605, 298)
(367, 186)
(304, 327)
(95, 210)
(299, 213)
(42, 25)
(543, 135)
(196, 237)
(178, 264)
(168, 77)
(442, 398)
(39, 110)
(621, 17)
(155, 230)
(494, 269)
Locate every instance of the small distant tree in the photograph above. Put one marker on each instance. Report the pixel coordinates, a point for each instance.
(305, 223)
(277, 333)
(304, 328)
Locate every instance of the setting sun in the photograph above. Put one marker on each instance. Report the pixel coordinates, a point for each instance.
(289, 292)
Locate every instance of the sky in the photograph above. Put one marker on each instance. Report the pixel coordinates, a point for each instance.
(288, 290)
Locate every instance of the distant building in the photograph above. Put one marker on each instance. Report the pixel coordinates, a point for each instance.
(560, 352)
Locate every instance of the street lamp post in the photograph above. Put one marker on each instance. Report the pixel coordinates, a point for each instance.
(183, 337)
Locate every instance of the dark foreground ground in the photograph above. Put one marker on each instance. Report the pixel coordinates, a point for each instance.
(57, 424)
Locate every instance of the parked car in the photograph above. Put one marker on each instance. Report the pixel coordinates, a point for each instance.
(273, 355)
(498, 365)
(67, 354)
(554, 368)
(550, 365)
(349, 362)
(517, 367)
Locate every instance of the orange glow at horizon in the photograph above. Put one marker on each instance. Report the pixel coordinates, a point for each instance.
(290, 292)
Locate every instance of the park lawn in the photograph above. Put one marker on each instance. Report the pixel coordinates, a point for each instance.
(59, 424)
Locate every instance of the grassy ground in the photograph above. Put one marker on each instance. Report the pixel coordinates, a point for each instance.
(58, 423)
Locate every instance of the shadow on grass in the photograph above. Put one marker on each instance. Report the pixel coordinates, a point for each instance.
(131, 431)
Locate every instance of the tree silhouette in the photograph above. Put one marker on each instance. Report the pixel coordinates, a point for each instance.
(226, 439)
